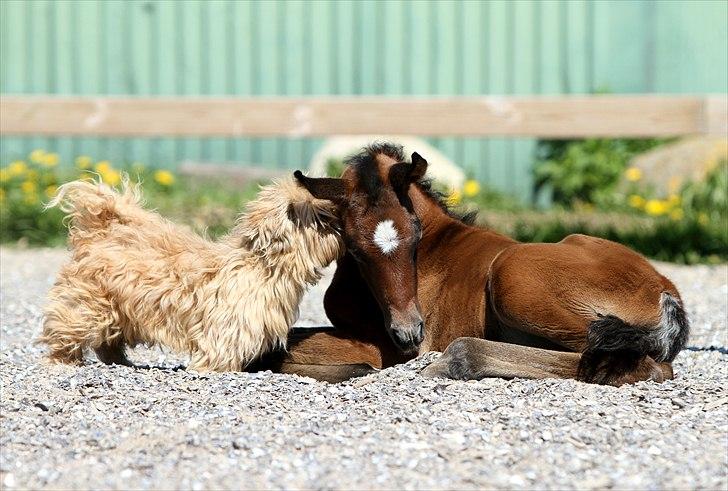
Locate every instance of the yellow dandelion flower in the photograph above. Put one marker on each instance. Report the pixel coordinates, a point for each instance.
(111, 177)
(455, 198)
(50, 191)
(703, 218)
(50, 159)
(103, 166)
(17, 168)
(677, 214)
(633, 174)
(636, 201)
(164, 177)
(471, 187)
(29, 187)
(84, 162)
(4, 175)
(37, 155)
(656, 207)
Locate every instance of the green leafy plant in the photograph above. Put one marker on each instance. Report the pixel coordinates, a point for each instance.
(689, 226)
(709, 196)
(27, 185)
(334, 167)
(585, 171)
(688, 241)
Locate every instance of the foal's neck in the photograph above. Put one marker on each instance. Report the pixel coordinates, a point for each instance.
(440, 229)
(435, 221)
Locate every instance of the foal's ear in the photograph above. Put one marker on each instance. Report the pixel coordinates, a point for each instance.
(419, 167)
(329, 188)
(403, 173)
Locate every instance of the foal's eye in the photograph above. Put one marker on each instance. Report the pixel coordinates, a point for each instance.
(355, 254)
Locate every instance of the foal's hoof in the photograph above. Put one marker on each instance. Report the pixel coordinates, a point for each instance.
(437, 369)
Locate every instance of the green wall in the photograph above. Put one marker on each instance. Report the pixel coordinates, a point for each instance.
(349, 47)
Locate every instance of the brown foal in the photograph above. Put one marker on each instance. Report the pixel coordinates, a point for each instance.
(583, 308)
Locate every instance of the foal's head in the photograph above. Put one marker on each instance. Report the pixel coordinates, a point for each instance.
(381, 231)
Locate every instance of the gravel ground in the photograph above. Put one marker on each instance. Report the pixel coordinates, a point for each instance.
(115, 427)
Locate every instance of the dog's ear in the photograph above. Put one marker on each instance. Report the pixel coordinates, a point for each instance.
(330, 188)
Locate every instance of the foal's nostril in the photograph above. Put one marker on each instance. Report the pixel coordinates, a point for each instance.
(406, 338)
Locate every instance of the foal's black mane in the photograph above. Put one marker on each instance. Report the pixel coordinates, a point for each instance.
(439, 198)
(365, 166)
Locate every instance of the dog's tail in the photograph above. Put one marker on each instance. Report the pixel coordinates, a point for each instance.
(614, 346)
(91, 206)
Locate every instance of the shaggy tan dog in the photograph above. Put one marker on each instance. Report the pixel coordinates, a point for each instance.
(137, 278)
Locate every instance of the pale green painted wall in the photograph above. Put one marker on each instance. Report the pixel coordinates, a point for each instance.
(350, 47)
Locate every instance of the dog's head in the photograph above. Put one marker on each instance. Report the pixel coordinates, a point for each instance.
(286, 218)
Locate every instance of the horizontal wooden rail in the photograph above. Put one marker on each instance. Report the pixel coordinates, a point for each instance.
(550, 117)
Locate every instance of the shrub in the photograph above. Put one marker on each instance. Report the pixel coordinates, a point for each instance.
(25, 187)
(689, 226)
(686, 241)
(584, 171)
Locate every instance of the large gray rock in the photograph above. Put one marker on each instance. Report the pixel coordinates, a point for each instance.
(667, 167)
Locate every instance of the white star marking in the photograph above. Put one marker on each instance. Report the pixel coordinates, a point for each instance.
(385, 236)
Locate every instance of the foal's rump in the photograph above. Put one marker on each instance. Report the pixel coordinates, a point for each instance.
(592, 296)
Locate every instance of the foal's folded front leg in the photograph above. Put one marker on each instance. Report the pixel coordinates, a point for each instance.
(475, 358)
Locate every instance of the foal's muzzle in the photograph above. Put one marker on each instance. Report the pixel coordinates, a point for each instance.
(408, 335)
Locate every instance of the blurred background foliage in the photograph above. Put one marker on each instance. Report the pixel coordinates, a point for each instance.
(688, 226)
(208, 206)
(585, 171)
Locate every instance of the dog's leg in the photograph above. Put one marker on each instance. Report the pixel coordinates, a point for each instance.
(75, 318)
(207, 359)
(112, 353)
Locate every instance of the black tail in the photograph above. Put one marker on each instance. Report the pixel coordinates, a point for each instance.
(615, 347)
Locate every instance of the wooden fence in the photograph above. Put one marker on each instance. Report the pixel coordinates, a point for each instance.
(351, 48)
(543, 117)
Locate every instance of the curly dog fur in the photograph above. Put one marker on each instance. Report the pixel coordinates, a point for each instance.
(135, 277)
